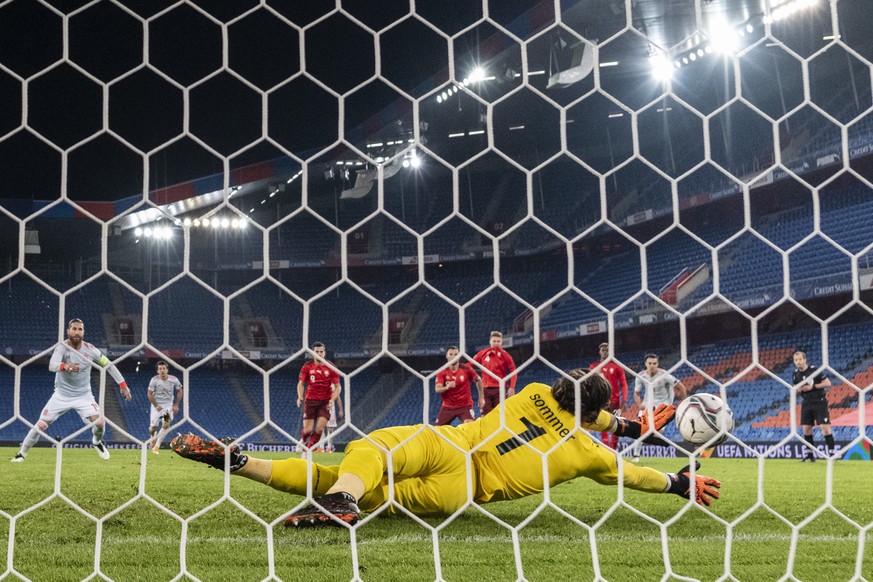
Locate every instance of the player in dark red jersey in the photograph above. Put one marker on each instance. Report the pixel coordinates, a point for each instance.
(614, 374)
(500, 364)
(320, 380)
(453, 384)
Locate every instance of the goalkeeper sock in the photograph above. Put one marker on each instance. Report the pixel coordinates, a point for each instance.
(289, 475)
(259, 470)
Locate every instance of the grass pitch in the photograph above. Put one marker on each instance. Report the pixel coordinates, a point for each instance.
(773, 518)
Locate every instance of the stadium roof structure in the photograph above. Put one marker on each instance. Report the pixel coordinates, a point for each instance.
(520, 42)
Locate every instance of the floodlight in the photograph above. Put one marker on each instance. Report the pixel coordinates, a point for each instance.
(662, 68)
(722, 38)
(477, 75)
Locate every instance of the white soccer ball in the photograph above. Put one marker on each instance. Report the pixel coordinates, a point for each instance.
(704, 419)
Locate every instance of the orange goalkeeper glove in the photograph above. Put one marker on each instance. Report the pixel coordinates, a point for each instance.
(705, 488)
(662, 416)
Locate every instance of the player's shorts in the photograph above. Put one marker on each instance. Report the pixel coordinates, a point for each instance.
(57, 405)
(492, 400)
(447, 415)
(313, 409)
(814, 412)
(156, 418)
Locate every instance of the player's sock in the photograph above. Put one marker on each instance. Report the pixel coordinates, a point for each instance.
(30, 440)
(810, 453)
(313, 439)
(97, 432)
(304, 439)
(259, 470)
(160, 438)
(831, 444)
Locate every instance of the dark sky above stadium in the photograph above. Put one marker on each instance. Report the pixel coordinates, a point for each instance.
(63, 101)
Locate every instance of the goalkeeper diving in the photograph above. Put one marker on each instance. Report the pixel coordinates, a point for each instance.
(428, 466)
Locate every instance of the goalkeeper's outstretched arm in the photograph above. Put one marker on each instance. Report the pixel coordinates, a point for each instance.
(646, 478)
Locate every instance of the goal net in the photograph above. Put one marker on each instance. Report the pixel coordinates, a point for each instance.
(220, 186)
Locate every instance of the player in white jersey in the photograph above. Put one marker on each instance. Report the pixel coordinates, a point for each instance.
(335, 406)
(653, 387)
(71, 362)
(162, 389)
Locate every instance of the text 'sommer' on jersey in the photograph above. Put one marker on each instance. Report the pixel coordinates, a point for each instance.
(509, 468)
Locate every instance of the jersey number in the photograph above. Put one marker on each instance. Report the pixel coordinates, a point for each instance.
(533, 431)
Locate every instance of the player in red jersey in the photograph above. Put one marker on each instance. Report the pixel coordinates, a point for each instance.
(453, 384)
(321, 381)
(614, 374)
(500, 364)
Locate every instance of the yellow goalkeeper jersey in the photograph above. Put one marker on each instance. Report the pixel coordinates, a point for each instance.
(509, 459)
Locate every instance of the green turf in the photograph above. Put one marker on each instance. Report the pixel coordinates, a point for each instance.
(227, 537)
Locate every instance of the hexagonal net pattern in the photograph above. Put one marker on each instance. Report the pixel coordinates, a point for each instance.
(220, 188)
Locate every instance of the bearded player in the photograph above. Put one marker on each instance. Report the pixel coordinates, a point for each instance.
(497, 364)
(72, 362)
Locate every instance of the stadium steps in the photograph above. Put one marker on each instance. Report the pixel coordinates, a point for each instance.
(386, 383)
(254, 415)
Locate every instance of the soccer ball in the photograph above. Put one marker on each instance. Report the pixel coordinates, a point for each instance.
(704, 419)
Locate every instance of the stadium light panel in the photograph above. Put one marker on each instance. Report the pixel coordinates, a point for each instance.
(662, 68)
(722, 38)
(137, 231)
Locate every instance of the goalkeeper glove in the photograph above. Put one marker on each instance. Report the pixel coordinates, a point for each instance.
(662, 416)
(705, 488)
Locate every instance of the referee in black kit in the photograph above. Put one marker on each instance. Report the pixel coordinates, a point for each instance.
(812, 384)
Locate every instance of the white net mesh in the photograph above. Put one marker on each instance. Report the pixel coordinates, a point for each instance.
(222, 186)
